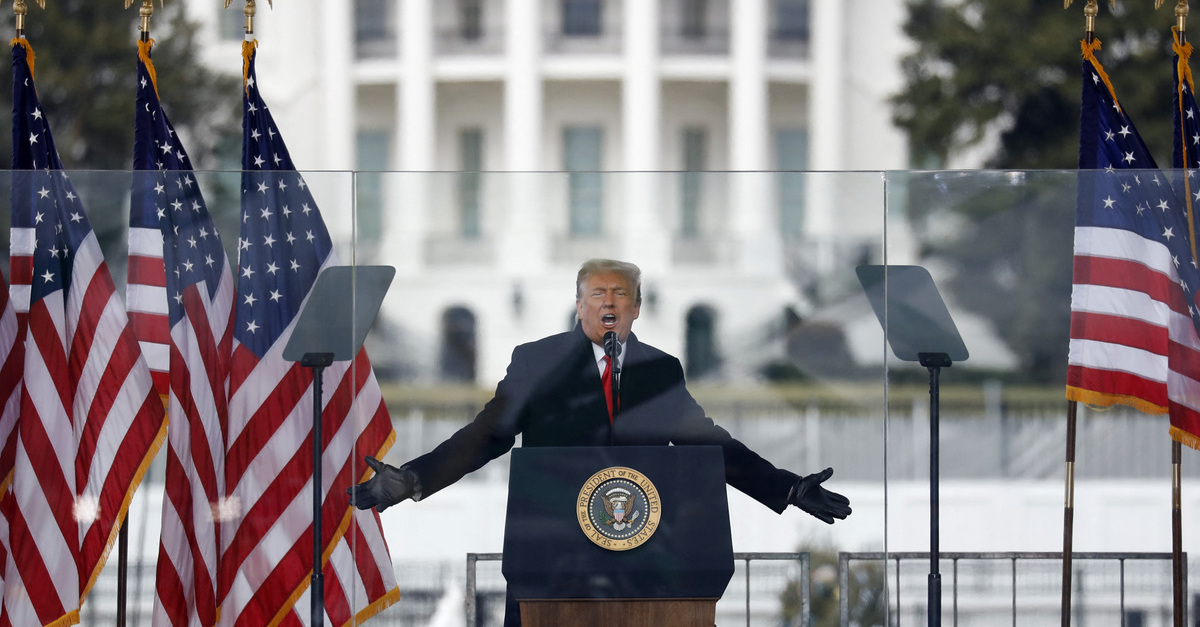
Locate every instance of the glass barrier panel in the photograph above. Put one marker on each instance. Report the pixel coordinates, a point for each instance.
(751, 283)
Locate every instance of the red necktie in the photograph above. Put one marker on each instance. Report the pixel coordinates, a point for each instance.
(606, 378)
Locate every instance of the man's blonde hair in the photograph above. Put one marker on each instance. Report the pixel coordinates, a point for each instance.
(629, 271)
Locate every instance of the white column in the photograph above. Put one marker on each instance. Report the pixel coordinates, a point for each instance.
(641, 97)
(827, 134)
(753, 224)
(827, 95)
(413, 145)
(522, 245)
(643, 237)
(523, 86)
(748, 113)
(417, 89)
(336, 146)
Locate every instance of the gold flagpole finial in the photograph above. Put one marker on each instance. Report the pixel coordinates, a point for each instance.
(1090, 11)
(19, 10)
(145, 12)
(249, 12)
(1181, 13)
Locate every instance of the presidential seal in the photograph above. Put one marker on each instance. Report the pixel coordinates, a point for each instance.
(618, 508)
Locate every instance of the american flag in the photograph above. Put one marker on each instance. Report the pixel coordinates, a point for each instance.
(266, 562)
(12, 362)
(1185, 418)
(1133, 310)
(180, 298)
(90, 420)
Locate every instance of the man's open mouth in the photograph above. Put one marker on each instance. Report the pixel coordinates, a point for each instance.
(608, 320)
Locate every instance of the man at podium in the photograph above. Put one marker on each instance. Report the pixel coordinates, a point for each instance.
(558, 391)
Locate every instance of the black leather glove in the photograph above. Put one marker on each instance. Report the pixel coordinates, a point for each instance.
(389, 486)
(809, 496)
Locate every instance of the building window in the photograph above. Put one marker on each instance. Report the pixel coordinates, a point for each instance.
(791, 158)
(695, 158)
(470, 19)
(583, 151)
(701, 357)
(372, 149)
(458, 345)
(581, 18)
(695, 19)
(470, 146)
(1133, 618)
(374, 31)
(791, 20)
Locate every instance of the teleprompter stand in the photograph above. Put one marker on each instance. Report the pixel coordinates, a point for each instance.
(919, 328)
(331, 327)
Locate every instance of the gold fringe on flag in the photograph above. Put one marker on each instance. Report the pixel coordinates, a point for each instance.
(21, 41)
(1101, 400)
(144, 46)
(247, 51)
(1089, 53)
(1185, 438)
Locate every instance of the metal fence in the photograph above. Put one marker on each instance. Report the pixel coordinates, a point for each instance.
(1023, 588)
(741, 588)
(981, 588)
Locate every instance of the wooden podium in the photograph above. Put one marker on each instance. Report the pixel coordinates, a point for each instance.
(569, 560)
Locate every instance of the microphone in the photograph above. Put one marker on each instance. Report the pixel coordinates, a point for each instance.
(612, 347)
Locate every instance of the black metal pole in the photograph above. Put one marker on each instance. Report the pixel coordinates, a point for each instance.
(1179, 591)
(935, 577)
(934, 362)
(318, 580)
(122, 569)
(1069, 516)
(317, 362)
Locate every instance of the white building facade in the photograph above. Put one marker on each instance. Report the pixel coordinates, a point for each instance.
(664, 123)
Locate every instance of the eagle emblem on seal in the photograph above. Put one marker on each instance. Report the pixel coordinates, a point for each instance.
(619, 505)
(618, 508)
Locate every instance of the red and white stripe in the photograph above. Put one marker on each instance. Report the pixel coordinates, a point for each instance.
(20, 269)
(186, 590)
(12, 363)
(146, 302)
(266, 561)
(1132, 337)
(90, 425)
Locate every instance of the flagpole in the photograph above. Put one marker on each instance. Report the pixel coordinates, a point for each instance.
(146, 10)
(1179, 594)
(1090, 10)
(1069, 514)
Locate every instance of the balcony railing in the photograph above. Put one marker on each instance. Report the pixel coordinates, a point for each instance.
(605, 42)
(787, 45)
(457, 41)
(709, 41)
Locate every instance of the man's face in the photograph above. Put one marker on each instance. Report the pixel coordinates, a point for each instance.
(606, 303)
